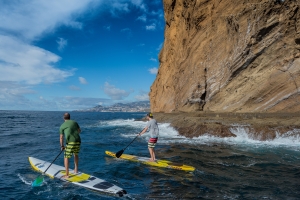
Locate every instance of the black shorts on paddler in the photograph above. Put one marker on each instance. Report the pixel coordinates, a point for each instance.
(72, 148)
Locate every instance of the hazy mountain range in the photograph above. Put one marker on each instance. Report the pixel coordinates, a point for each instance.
(138, 106)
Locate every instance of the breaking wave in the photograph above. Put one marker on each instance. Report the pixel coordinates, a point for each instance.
(168, 134)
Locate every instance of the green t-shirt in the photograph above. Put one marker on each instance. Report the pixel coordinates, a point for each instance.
(70, 129)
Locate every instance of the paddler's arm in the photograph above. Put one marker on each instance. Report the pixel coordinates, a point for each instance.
(61, 140)
(79, 130)
(143, 131)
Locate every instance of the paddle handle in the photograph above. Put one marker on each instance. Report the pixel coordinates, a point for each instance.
(53, 161)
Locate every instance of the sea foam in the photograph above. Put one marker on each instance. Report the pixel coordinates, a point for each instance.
(167, 134)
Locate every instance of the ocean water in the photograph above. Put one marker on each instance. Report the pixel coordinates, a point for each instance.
(226, 168)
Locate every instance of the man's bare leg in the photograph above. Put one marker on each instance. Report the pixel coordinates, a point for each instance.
(76, 159)
(66, 161)
(153, 156)
(151, 151)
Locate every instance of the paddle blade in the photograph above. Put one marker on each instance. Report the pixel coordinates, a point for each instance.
(38, 181)
(119, 153)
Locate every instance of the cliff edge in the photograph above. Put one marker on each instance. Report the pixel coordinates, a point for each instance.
(229, 56)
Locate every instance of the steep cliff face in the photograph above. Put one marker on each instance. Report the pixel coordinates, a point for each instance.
(229, 56)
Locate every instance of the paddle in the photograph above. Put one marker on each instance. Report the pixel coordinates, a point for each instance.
(39, 180)
(119, 153)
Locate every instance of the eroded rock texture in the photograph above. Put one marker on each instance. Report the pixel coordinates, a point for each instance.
(229, 56)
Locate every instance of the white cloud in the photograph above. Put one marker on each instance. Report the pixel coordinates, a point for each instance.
(82, 80)
(118, 6)
(62, 43)
(25, 21)
(153, 59)
(151, 27)
(75, 25)
(107, 27)
(125, 6)
(158, 13)
(32, 18)
(22, 62)
(9, 88)
(126, 30)
(13, 97)
(73, 87)
(159, 47)
(140, 4)
(137, 2)
(74, 103)
(153, 70)
(142, 97)
(115, 93)
(142, 18)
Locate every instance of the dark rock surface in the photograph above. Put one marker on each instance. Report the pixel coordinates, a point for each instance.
(259, 126)
(229, 56)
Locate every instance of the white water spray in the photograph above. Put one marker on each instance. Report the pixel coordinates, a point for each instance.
(168, 134)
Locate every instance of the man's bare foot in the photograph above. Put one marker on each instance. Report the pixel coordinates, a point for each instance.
(151, 160)
(65, 176)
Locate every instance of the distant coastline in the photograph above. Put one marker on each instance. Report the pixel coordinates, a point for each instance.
(138, 106)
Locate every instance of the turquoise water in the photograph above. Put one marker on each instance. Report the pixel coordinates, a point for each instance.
(226, 168)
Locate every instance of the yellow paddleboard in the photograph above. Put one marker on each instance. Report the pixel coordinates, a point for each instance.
(157, 163)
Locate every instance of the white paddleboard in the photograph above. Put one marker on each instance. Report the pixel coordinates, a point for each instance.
(81, 179)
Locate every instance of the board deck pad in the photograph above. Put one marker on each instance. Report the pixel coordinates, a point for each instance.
(157, 163)
(80, 179)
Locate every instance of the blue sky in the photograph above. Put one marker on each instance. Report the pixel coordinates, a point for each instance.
(76, 54)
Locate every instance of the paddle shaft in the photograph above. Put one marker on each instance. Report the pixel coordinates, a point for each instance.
(119, 153)
(39, 180)
(130, 142)
(53, 161)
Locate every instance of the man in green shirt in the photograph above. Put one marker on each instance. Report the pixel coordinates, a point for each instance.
(71, 130)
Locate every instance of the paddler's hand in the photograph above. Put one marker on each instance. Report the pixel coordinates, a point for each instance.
(62, 147)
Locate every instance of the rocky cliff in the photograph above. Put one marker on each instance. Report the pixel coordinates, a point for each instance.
(229, 56)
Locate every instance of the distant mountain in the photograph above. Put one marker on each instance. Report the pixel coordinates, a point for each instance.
(138, 106)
